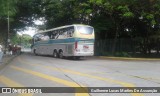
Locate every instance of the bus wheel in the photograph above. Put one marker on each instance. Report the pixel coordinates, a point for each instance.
(55, 54)
(61, 54)
(35, 52)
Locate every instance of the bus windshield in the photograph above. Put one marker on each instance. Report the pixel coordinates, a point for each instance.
(85, 30)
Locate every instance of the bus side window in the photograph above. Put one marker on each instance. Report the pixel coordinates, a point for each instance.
(70, 31)
(56, 34)
(46, 37)
(65, 33)
(49, 35)
(61, 34)
(52, 34)
(41, 37)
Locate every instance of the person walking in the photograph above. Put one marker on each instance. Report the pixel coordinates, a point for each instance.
(1, 53)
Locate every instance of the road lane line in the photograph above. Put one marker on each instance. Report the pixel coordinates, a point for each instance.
(10, 83)
(124, 84)
(51, 78)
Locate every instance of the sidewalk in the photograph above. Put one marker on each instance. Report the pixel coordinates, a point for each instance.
(129, 58)
(6, 59)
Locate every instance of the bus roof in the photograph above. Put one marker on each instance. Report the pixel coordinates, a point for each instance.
(61, 28)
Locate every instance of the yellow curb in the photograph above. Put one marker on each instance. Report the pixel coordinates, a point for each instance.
(125, 58)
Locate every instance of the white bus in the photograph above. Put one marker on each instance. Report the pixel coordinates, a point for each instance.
(67, 41)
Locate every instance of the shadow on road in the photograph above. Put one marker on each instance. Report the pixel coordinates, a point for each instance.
(65, 58)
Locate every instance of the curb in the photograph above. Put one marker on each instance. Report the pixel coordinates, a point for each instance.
(125, 58)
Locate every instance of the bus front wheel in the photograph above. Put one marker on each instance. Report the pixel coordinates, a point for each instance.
(35, 52)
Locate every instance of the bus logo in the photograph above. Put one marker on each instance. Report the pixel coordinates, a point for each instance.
(85, 47)
(6, 90)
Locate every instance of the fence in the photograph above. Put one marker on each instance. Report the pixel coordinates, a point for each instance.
(125, 47)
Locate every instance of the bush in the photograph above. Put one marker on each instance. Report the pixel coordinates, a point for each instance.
(122, 54)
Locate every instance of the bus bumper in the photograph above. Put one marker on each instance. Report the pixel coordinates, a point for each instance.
(84, 54)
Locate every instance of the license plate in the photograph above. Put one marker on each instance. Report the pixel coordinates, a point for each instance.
(85, 48)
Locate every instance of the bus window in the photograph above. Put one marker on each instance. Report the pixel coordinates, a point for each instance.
(62, 34)
(70, 34)
(85, 30)
(56, 34)
(41, 37)
(70, 31)
(53, 34)
(37, 38)
(46, 37)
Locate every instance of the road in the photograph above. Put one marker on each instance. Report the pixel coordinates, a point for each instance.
(28, 70)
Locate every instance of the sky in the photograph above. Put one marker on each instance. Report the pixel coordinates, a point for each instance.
(31, 30)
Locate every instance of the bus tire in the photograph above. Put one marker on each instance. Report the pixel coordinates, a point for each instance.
(61, 54)
(55, 55)
(35, 52)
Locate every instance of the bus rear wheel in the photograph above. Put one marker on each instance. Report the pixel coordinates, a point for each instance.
(55, 54)
(61, 54)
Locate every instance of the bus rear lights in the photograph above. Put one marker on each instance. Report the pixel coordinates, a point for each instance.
(76, 45)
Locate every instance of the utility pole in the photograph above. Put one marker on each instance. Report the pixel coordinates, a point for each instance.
(8, 40)
(8, 37)
(8, 27)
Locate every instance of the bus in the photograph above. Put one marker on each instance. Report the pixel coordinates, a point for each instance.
(75, 40)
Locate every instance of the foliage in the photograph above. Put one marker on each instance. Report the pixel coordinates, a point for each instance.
(22, 40)
(7, 7)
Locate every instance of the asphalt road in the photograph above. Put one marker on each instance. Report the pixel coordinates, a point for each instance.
(28, 70)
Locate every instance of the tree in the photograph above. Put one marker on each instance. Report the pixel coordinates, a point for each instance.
(7, 11)
(22, 40)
